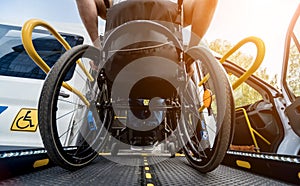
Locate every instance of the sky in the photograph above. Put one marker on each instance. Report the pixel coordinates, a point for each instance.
(233, 21)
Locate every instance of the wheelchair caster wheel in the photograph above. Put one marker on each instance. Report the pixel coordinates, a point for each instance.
(114, 149)
(172, 150)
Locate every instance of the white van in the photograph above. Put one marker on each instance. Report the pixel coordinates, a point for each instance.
(21, 81)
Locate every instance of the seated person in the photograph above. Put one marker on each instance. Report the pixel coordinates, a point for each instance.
(197, 13)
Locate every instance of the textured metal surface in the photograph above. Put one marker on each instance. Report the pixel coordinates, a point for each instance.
(175, 171)
(100, 172)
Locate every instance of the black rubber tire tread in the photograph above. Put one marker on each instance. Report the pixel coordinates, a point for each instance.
(45, 108)
(223, 87)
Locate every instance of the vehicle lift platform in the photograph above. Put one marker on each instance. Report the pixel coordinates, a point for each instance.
(33, 168)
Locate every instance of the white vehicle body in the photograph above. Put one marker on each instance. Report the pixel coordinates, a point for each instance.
(21, 82)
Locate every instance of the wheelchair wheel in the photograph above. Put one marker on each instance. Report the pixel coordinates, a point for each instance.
(207, 112)
(74, 113)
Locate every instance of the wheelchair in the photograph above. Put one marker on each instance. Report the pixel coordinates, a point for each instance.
(137, 92)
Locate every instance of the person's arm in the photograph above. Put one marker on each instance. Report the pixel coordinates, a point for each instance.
(89, 11)
(198, 14)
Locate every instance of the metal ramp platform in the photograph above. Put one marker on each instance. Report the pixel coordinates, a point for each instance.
(151, 171)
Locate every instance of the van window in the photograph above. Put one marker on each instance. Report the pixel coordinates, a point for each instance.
(14, 60)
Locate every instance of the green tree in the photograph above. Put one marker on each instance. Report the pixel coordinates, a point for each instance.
(244, 94)
(293, 70)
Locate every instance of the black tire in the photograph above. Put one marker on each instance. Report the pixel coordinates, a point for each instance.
(205, 135)
(72, 132)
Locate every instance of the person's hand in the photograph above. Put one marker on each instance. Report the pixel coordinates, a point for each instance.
(189, 65)
(190, 70)
(93, 66)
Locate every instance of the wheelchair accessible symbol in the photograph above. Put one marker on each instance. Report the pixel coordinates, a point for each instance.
(26, 120)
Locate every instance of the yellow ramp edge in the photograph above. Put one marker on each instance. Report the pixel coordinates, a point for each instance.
(150, 184)
(40, 163)
(244, 164)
